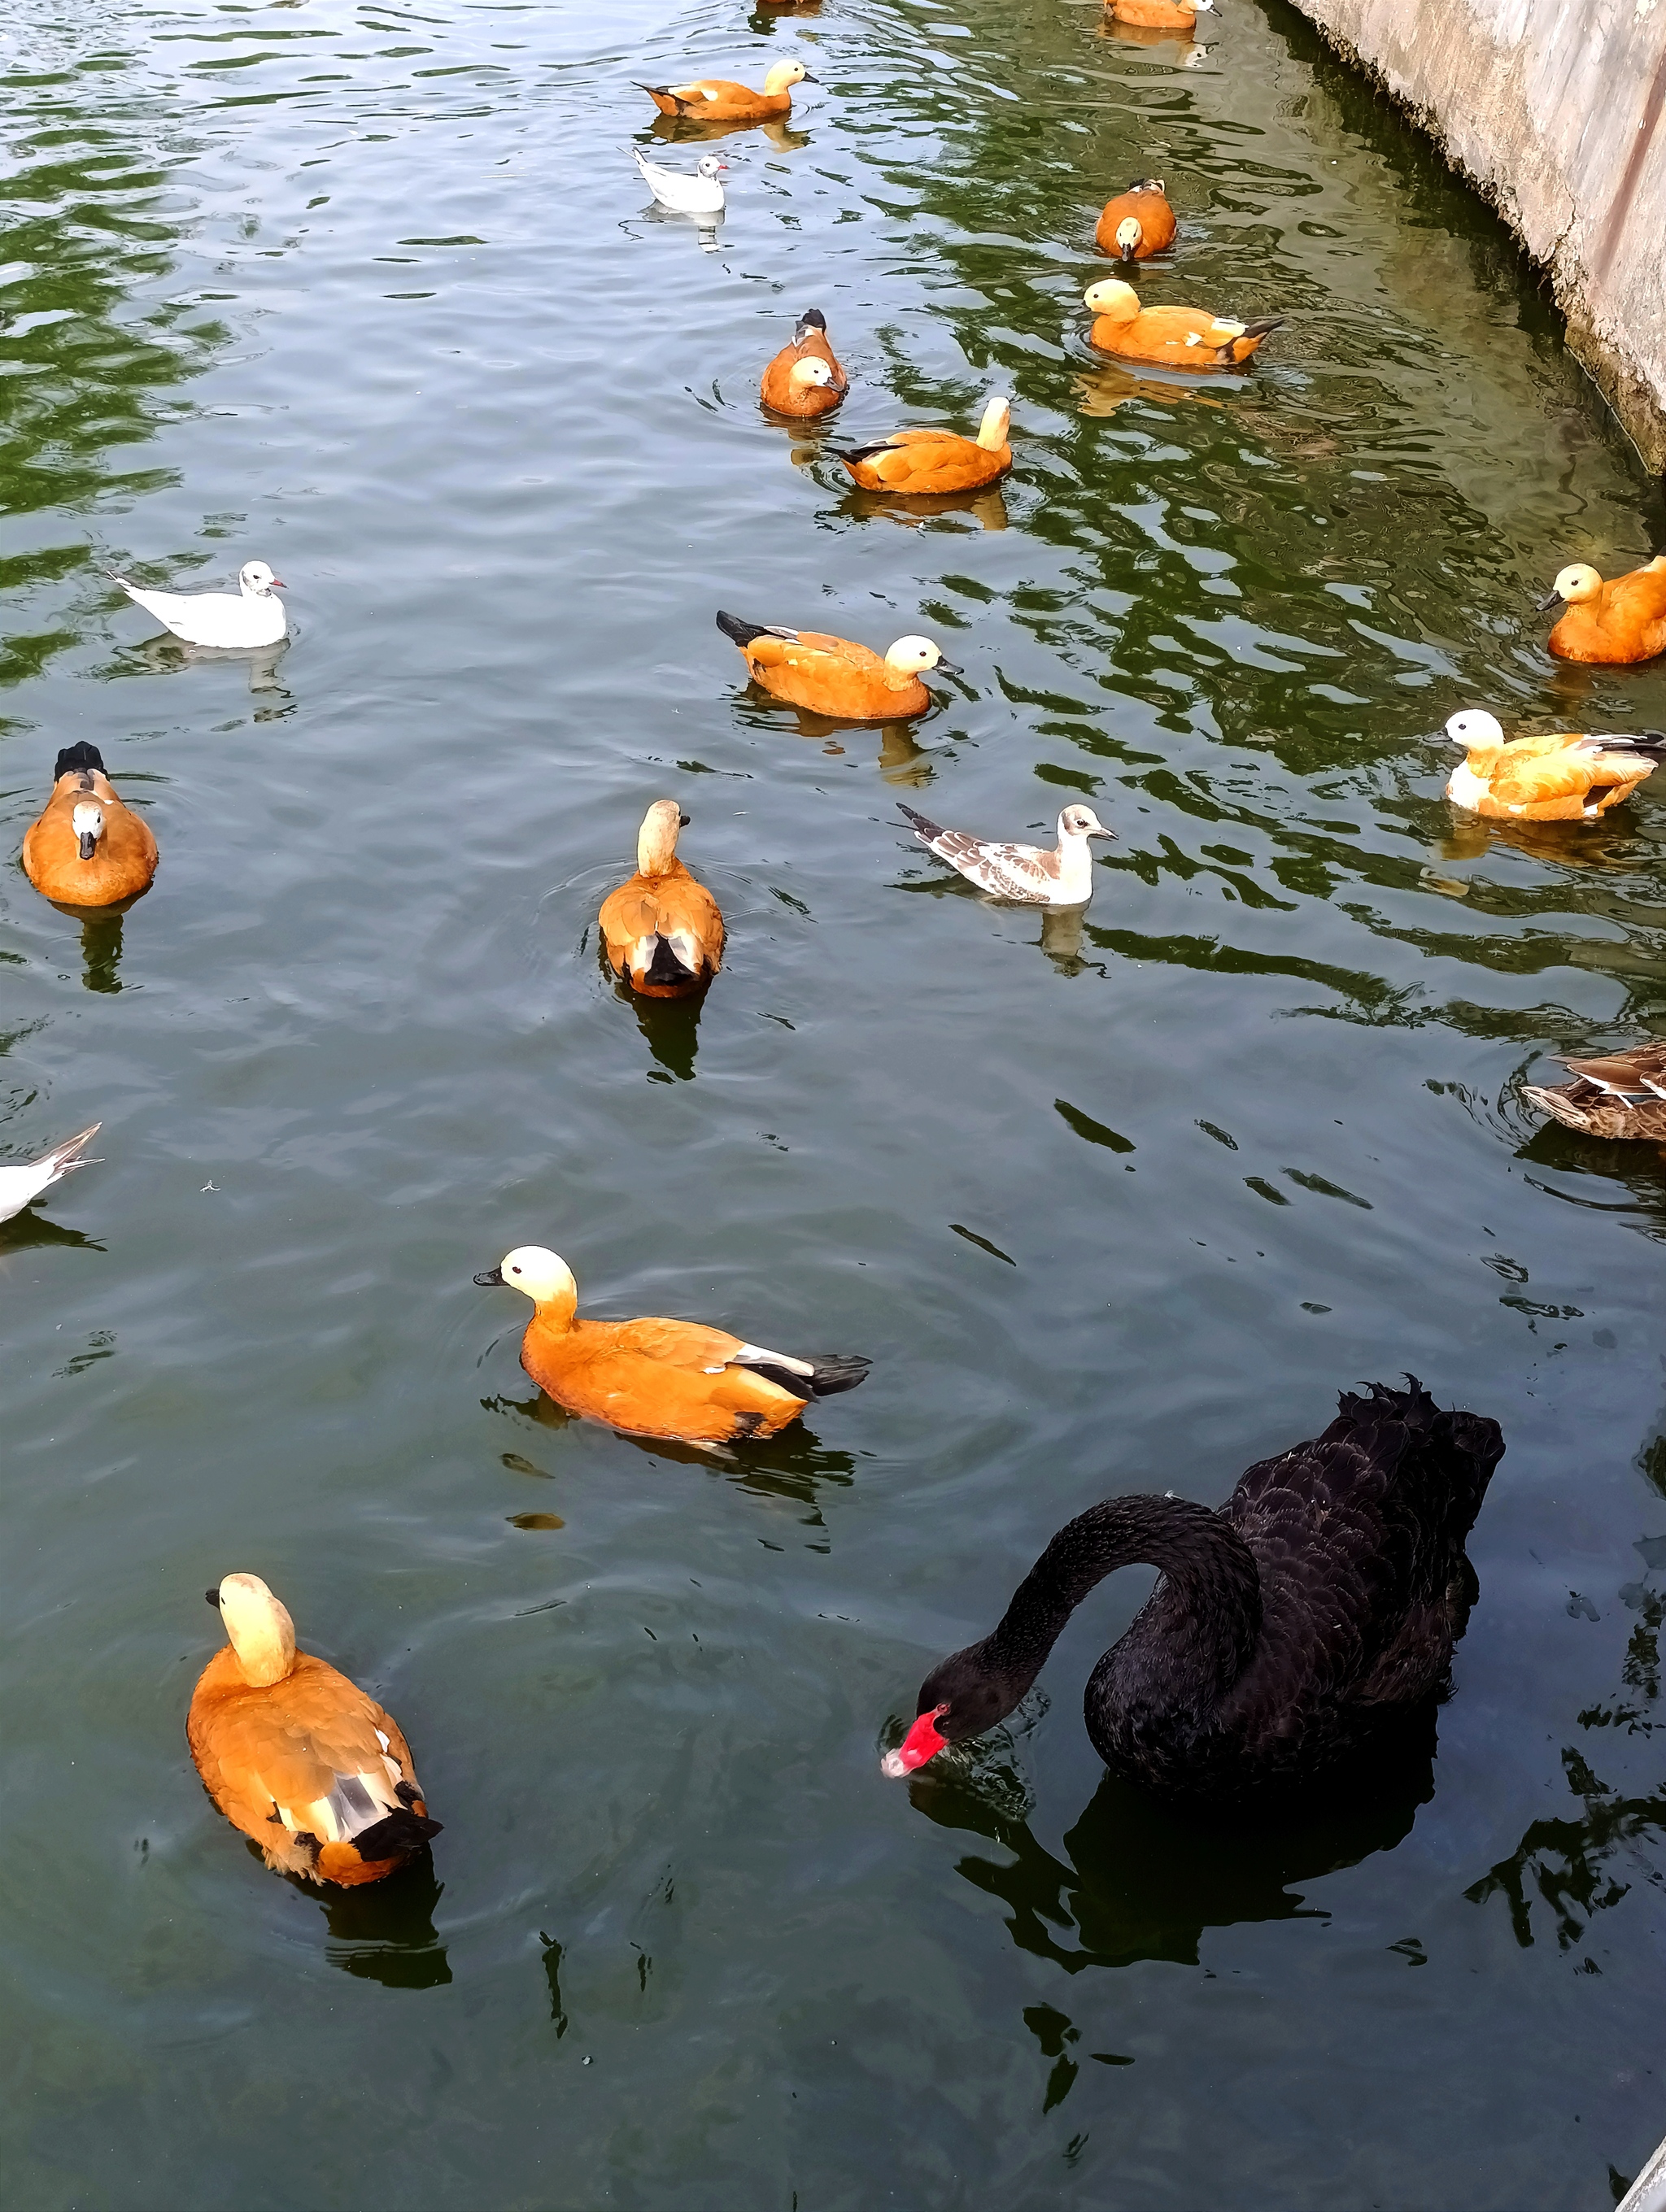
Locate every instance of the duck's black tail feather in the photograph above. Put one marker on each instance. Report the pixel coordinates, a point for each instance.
(811, 319)
(743, 633)
(852, 455)
(833, 1371)
(665, 968)
(78, 760)
(1636, 741)
(399, 1834)
(1261, 329)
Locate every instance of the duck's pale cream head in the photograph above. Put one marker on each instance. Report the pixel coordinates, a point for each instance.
(992, 430)
(1130, 232)
(88, 822)
(656, 841)
(783, 75)
(1577, 583)
(1081, 822)
(1475, 730)
(256, 580)
(544, 1275)
(814, 371)
(914, 656)
(1110, 296)
(261, 1631)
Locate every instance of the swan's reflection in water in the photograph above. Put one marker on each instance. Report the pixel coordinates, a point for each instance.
(384, 1931)
(1141, 1880)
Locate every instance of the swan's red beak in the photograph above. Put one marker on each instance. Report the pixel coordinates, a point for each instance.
(922, 1743)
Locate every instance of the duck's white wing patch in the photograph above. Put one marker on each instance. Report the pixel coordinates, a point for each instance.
(750, 1354)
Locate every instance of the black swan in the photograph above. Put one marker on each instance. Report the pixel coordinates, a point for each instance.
(1320, 1604)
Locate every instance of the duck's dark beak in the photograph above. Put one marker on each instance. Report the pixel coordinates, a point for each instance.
(946, 667)
(213, 1597)
(1552, 600)
(492, 1281)
(684, 820)
(807, 79)
(1128, 253)
(89, 844)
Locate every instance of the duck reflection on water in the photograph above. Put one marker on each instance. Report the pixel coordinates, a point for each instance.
(384, 1931)
(987, 509)
(687, 130)
(100, 941)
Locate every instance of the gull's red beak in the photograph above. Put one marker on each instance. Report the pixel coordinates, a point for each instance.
(277, 584)
(922, 1743)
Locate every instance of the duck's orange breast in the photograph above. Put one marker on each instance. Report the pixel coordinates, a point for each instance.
(1149, 210)
(122, 863)
(780, 392)
(656, 1378)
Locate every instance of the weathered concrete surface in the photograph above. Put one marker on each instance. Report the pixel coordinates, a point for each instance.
(1553, 108)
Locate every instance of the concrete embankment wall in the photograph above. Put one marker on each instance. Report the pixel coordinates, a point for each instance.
(1553, 108)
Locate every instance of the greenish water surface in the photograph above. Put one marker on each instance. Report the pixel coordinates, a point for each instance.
(371, 293)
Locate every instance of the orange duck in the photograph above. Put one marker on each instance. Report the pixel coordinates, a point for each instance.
(675, 1379)
(1178, 337)
(836, 677)
(662, 930)
(298, 1757)
(1161, 15)
(1137, 223)
(1609, 623)
(719, 99)
(924, 464)
(87, 848)
(804, 378)
(1553, 777)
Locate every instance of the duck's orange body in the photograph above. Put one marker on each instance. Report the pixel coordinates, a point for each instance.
(675, 1379)
(78, 867)
(720, 99)
(788, 394)
(1621, 622)
(1137, 223)
(1553, 776)
(662, 930)
(307, 1765)
(1156, 15)
(927, 463)
(835, 676)
(1175, 337)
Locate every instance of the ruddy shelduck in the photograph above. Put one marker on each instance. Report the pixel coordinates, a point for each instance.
(1178, 337)
(719, 99)
(85, 849)
(298, 1757)
(836, 677)
(238, 622)
(675, 1379)
(662, 929)
(929, 464)
(23, 1181)
(804, 378)
(1609, 624)
(1161, 15)
(1623, 1094)
(1029, 874)
(1548, 778)
(1137, 223)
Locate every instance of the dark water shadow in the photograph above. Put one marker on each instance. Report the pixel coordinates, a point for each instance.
(384, 1931)
(689, 130)
(670, 1027)
(1142, 1881)
(987, 509)
(101, 942)
(27, 1230)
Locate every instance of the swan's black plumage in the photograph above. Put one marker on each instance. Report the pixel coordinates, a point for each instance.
(1318, 1605)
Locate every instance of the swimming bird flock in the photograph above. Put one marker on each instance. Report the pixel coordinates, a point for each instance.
(1321, 1605)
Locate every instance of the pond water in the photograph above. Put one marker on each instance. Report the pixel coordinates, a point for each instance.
(370, 292)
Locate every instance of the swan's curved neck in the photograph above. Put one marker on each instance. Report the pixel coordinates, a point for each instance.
(1209, 1598)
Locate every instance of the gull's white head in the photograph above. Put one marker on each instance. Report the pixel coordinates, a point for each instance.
(783, 75)
(544, 1275)
(997, 414)
(810, 372)
(261, 1631)
(1081, 822)
(708, 166)
(256, 580)
(87, 820)
(1111, 296)
(912, 656)
(1475, 730)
